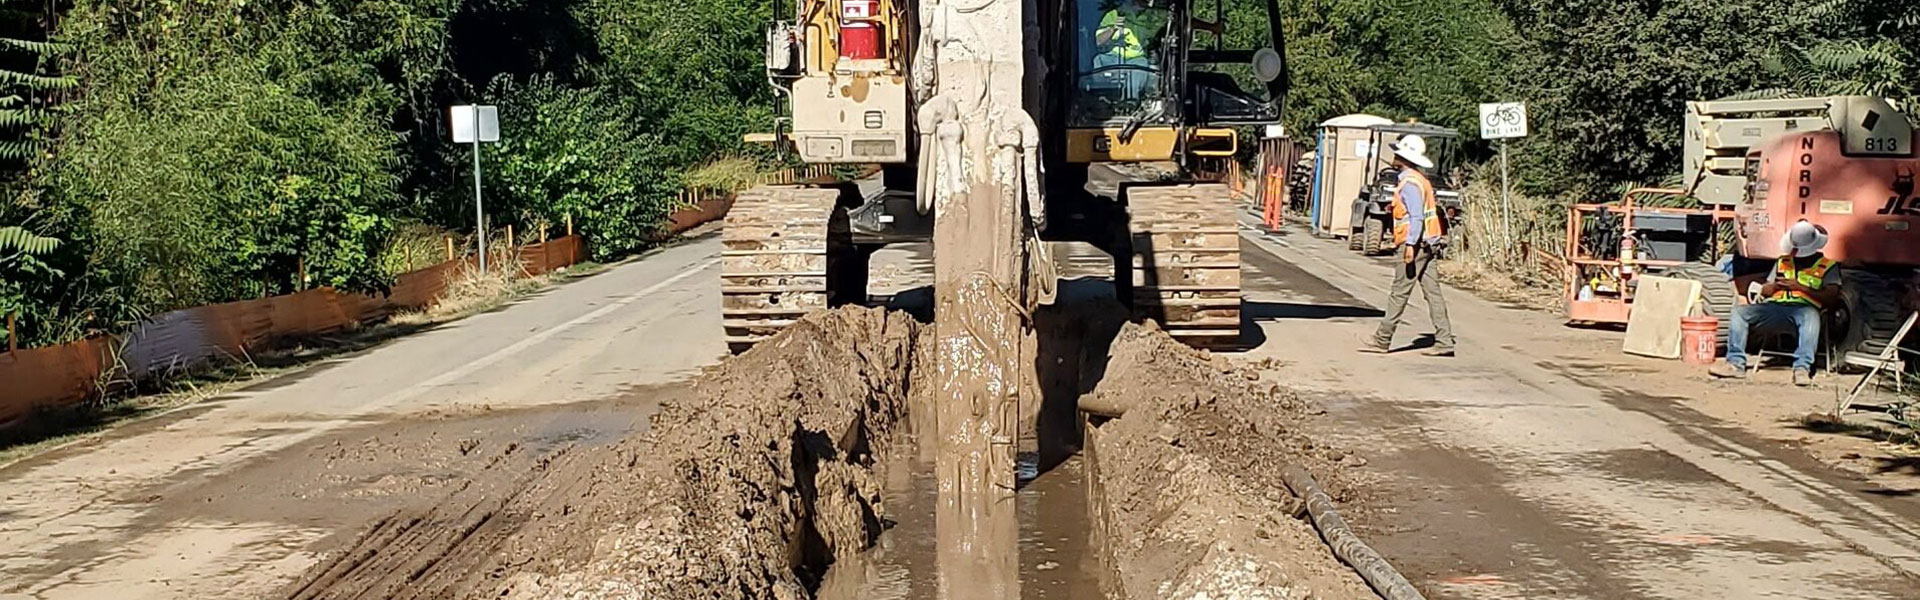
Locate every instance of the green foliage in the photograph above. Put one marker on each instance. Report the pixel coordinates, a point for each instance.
(19, 241)
(210, 161)
(1860, 47)
(693, 71)
(579, 152)
(1605, 82)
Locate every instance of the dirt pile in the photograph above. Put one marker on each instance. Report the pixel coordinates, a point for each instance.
(748, 487)
(1188, 484)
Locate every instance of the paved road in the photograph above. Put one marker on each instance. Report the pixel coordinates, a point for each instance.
(1533, 466)
(79, 522)
(1541, 463)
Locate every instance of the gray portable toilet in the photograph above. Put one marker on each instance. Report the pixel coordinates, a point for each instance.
(1343, 164)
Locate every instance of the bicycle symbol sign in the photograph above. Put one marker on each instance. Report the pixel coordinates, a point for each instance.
(1503, 120)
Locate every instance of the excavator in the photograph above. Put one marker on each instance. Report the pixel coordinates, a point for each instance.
(1101, 82)
(987, 118)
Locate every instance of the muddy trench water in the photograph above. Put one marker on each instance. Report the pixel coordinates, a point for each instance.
(1059, 558)
(1059, 554)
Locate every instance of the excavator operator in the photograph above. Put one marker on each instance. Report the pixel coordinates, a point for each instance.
(1126, 28)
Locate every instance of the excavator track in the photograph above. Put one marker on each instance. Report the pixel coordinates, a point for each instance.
(779, 241)
(1186, 261)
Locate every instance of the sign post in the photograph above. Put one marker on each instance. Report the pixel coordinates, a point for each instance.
(473, 124)
(1503, 121)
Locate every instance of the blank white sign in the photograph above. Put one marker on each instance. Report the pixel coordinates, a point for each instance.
(472, 121)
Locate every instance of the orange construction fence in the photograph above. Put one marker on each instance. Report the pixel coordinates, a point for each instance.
(62, 375)
(36, 378)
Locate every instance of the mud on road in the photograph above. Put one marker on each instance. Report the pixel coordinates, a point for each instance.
(1189, 478)
(769, 469)
(745, 488)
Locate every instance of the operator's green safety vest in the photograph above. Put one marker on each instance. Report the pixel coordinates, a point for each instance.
(1812, 277)
(1128, 47)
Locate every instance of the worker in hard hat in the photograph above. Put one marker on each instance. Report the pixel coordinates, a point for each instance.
(1418, 238)
(1804, 281)
(1125, 29)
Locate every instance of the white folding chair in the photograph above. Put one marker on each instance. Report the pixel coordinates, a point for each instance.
(1887, 360)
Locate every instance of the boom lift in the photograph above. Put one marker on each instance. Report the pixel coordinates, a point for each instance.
(1754, 168)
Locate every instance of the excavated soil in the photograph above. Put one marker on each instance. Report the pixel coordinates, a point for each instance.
(748, 487)
(770, 469)
(1189, 493)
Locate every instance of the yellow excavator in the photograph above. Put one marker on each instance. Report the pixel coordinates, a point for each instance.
(1104, 82)
(986, 116)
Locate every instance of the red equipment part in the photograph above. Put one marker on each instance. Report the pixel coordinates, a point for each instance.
(1866, 203)
(859, 33)
(1583, 264)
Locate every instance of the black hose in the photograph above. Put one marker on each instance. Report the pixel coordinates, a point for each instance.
(1346, 546)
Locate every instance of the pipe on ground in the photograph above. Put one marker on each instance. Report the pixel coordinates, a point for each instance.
(1346, 546)
(1102, 406)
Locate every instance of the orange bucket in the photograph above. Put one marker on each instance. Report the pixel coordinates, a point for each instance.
(1699, 340)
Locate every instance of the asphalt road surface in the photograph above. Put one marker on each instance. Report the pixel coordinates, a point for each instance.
(1537, 464)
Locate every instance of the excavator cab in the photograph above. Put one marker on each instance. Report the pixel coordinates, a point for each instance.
(1153, 80)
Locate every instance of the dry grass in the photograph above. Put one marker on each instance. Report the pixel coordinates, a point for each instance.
(1525, 272)
(414, 247)
(472, 291)
(730, 173)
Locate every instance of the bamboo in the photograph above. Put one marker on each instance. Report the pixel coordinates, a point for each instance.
(13, 336)
(509, 235)
(449, 248)
(569, 224)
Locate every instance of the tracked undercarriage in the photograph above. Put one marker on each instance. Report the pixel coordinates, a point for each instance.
(779, 244)
(794, 249)
(1186, 261)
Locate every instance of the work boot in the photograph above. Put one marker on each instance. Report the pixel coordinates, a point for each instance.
(1802, 378)
(1441, 351)
(1727, 371)
(1374, 348)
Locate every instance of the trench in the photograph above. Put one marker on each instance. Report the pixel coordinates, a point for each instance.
(1059, 558)
(1059, 553)
(802, 469)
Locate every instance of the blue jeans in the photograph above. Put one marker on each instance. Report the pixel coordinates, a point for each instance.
(1805, 321)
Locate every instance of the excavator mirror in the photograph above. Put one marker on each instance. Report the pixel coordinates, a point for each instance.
(1268, 65)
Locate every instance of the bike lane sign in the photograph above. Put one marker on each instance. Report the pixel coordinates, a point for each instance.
(1503, 120)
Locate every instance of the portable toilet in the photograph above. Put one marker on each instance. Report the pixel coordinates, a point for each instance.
(1343, 163)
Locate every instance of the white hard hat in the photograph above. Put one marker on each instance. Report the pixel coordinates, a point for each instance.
(1414, 150)
(1803, 239)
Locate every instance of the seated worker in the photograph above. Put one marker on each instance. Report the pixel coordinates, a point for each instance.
(1803, 282)
(1122, 39)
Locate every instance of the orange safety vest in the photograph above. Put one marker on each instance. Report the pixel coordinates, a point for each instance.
(1812, 277)
(1431, 224)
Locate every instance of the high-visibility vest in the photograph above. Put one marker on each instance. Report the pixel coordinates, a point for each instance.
(1812, 277)
(1128, 46)
(1430, 224)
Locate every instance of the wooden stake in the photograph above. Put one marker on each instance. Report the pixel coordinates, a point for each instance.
(449, 248)
(301, 266)
(13, 335)
(509, 235)
(569, 224)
